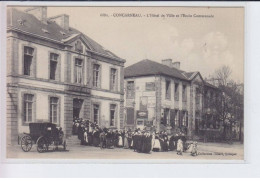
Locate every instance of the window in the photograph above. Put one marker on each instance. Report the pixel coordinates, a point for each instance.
(176, 91)
(113, 79)
(28, 58)
(210, 98)
(96, 113)
(130, 92)
(28, 107)
(77, 108)
(96, 75)
(185, 118)
(197, 96)
(54, 109)
(150, 86)
(168, 89)
(176, 120)
(78, 70)
(184, 93)
(143, 103)
(166, 116)
(214, 98)
(206, 98)
(53, 66)
(112, 114)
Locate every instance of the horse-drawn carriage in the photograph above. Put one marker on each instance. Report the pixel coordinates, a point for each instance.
(43, 135)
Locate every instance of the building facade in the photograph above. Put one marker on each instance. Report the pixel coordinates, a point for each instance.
(168, 97)
(56, 73)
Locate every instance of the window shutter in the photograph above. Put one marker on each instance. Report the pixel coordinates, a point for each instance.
(180, 118)
(187, 121)
(116, 83)
(172, 118)
(75, 71)
(169, 91)
(99, 76)
(110, 79)
(23, 112)
(164, 117)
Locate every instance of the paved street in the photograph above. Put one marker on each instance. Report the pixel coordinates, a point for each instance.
(215, 151)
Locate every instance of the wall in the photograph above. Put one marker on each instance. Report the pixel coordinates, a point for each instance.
(140, 91)
(42, 87)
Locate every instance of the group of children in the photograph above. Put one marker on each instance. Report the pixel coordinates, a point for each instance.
(140, 141)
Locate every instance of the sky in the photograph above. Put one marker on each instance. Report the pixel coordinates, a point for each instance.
(199, 44)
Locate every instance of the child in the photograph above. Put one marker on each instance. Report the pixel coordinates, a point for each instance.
(194, 150)
(179, 147)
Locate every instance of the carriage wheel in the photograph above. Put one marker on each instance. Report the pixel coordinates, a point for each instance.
(41, 145)
(26, 143)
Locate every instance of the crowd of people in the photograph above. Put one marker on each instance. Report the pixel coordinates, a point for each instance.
(141, 141)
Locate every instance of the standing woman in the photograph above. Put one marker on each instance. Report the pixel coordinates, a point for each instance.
(90, 135)
(123, 137)
(120, 139)
(85, 137)
(156, 145)
(96, 137)
(165, 139)
(130, 139)
(161, 141)
(152, 140)
(81, 131)
(126, 145)
(134, 140)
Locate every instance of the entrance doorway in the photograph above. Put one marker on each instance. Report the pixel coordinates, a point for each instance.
(77, 108)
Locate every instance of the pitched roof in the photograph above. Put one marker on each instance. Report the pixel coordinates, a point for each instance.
(210, 85)
(51, 30)
(149, 67)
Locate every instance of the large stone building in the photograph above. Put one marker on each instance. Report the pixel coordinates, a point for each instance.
(164, 96)
(55, 73)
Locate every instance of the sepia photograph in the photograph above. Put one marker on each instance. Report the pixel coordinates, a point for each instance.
(128, 82)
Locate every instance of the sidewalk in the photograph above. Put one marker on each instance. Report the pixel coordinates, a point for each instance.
(208, 151)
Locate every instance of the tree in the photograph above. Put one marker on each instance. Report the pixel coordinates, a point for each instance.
(229, 104)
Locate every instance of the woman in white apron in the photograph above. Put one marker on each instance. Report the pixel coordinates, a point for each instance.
(156, 145)
(120, 140)
(126, 146)
(86, 136)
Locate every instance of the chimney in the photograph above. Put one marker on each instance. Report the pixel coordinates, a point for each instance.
(176, 65)
(62, 20)
(167, 62)
(40, 12)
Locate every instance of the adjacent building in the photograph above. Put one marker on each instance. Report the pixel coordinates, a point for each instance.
(163, 96)
(56, 73)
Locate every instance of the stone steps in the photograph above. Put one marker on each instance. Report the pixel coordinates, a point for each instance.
(73, 140)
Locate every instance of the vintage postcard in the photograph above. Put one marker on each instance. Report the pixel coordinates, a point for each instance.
(150, 83)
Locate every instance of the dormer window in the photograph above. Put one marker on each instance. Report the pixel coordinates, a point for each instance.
(62, 33)
(79, 47)
(21, 22)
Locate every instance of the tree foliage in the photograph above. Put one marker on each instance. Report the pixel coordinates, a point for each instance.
(229, 105)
